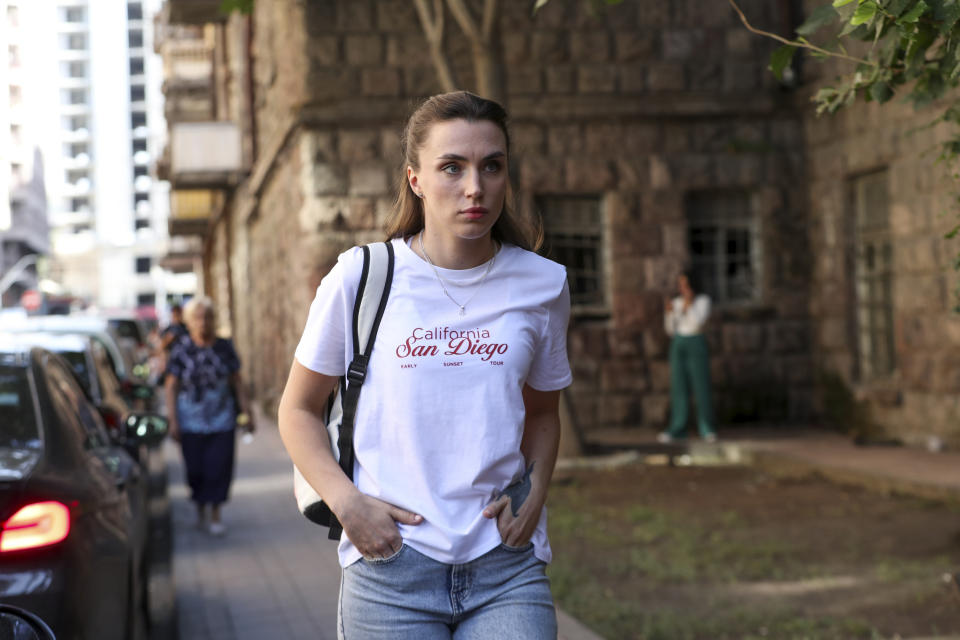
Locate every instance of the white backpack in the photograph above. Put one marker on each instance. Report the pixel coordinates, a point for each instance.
(371, 300)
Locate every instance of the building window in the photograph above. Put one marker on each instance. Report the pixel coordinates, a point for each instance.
(74, 14)
(138, 119)
(724, 245)
(79, 205)
(75, 96)
(77, 70)
(81, 228)
(78, 122)
(16, 173)
(146, 299)
(134, 11)
(143, 265)
(140, 171)
(139, 145)
(874, 275)
(573, 227)
(141, 223)
(13, 53)
(77, 41)
(135, 38)
(136, 66)
(138, 93)
(16, 95)
(13, 16)
(77, 148)
(16, 134)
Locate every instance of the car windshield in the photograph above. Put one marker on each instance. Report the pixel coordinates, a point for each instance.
(78, 362)
(18, 424)
(126, 329)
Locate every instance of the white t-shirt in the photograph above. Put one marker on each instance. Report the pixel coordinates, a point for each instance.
(690, 322)
(441, 413)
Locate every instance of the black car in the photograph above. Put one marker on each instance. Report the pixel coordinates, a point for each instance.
(71, 511)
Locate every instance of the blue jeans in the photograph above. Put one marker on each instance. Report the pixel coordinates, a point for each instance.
(503, 594)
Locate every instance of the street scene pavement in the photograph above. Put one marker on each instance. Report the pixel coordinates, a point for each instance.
(274, 574)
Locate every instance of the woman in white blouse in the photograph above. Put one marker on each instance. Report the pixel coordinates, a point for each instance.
(684, 319)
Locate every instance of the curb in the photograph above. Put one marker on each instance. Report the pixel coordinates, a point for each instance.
(569, 628)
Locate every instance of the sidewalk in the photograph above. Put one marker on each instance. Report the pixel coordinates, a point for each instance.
(898, 469)
(274, 575)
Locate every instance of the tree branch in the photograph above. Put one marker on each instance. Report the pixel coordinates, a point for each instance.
(490, 13)
(796, 43)
(463, 17)
(433, 29)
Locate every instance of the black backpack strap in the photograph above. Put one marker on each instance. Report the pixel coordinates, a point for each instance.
(376, 278)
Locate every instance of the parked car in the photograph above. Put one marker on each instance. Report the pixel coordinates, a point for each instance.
(20, 624)
(71, 514)
(122, 358)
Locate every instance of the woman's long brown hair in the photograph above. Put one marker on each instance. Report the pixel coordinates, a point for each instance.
(406, 218)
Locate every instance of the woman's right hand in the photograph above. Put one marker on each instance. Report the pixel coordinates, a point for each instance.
(173, 429)
(371, 525)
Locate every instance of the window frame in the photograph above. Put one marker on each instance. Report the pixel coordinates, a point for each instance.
(874, 290)
(574, 230)
(724, 224)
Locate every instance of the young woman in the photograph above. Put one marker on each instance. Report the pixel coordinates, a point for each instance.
(684, 319)
(458, 423)
(203, 391)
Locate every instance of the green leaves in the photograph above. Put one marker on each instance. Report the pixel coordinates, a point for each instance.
(840, 3)
(819, 18)
(780, 60)
(865, 12)
(914, 14)
(229, 6)
(881, 92)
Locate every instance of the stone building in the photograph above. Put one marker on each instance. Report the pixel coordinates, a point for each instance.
(649, 136)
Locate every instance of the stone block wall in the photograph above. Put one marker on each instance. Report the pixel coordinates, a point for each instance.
(637, 106)
(919, 398)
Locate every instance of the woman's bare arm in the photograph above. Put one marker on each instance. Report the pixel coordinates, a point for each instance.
(517, 508)
(370, 524)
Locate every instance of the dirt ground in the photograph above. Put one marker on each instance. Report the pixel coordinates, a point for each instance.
(731, 552)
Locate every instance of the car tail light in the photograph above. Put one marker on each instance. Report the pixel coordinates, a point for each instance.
(36, 525)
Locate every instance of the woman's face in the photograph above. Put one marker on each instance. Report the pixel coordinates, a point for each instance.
(199, 322)
(683, 284)
(462, 177)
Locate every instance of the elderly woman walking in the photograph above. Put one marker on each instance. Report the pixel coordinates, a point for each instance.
(204, 396)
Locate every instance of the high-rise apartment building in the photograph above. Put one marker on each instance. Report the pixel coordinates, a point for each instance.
(23, 205)
(98, 109)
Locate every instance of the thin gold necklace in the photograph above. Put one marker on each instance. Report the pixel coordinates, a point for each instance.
(479, 283)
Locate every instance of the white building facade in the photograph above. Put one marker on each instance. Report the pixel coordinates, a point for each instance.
(23, 204)
(98, 110)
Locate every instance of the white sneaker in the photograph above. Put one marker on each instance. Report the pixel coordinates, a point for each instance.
(217, 529)
(710, 437)
(665, 438)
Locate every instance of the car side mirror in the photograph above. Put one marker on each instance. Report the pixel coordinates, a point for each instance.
(148, 428)
(20, 624)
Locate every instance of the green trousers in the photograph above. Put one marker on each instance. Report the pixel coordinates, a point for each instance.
(690, 367)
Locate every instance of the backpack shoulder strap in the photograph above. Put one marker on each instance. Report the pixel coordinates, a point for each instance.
(372, 294)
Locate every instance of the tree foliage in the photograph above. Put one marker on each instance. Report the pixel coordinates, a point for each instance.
(910, 47)
(907, 47)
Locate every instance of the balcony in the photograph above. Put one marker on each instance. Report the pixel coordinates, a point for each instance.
(190, 211)
(205, 155)
(194, 11)
(188, 61)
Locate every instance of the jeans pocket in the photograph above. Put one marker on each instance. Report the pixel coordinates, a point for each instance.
(388, 559)
(521, 549)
